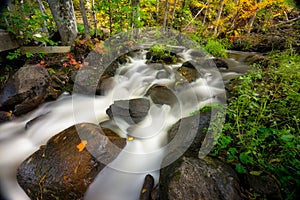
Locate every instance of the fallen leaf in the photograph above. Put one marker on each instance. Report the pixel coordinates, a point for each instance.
(81, 145)
(130, 138)
(144, 190)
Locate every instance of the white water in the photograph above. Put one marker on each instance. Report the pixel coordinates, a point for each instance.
(123, 178)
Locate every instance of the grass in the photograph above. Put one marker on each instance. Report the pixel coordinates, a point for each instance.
(261, 133)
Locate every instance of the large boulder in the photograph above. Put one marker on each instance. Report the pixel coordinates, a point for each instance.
(191, 178)
(68, 163)
(197, 123)
(25, 90)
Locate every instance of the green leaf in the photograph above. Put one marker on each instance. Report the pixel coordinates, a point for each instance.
(256, 173)
(240, 169)
(245, 158)
(287, 138)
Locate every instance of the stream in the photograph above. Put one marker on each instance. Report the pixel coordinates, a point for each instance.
(123, 178)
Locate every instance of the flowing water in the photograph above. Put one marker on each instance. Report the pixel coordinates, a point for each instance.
(122, 178)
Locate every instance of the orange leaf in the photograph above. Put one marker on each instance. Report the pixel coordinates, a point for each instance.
(81, 145)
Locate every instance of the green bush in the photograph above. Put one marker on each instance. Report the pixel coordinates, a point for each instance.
(216, 48)
(261, 133)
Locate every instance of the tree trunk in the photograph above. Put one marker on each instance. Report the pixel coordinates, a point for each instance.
(41, 6)
(252, 19)
(94, 17)
(85, 20)
(157, 10)
(219, 17)
(173, 14)
(135, 4)
(166, 14)
(63, 14)
(110, 17)
(206, 12)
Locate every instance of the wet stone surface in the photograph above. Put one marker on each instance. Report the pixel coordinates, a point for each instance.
(67, 164)
(25, 90)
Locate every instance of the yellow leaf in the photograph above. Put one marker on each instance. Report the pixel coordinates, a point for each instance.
(81, 145)
(144, 190)
(130, 138)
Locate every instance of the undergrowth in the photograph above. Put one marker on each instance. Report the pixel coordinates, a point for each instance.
(261, 133)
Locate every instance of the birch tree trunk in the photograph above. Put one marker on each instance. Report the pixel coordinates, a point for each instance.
(41, 6)
(94, 17)
(219, 17)
(135, 19)
(85, 20)
(166, 14)
(63, 14)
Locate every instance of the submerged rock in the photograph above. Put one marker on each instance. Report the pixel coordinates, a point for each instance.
(131, 111)
(25, 90)
(68, 163)
(193, 178)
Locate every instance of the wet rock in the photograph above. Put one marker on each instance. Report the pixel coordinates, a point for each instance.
(132, 111)
(193, 178)
(147, 188)
(197, 123)
(155, 193)
(164, 57)
(67, 164)
(188, 71)
(221, 64)
(264, 186)
(198, 53)
(6, 116)
(161, 95)
(25, 90)
(258, 59)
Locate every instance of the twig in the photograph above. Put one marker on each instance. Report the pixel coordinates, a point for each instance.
(193, 18)
(288, 21)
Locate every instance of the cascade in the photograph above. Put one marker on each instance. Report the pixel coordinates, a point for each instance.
(122, 178)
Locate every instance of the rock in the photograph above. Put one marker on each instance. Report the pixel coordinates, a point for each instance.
(264, 186)
(188, 71)
(164, 57)
(199, 122)
(161, 95)
(132, 111)
(197, 53)
(25, 90)
(193, 179)
(147, 188)
(6, 116)
(258, 59)
(155, 193)
(221, 64)
(67, 164)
